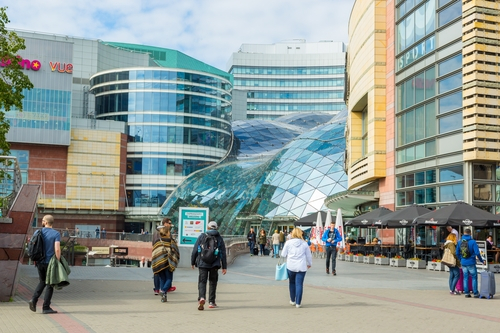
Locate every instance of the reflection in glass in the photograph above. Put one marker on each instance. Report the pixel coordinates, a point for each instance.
(450, 102)
(483, 171)
(450, 83)
(451, 173)
(453, 192)
(483, 192)
(450, 123)
(450, 65)
(450, 13)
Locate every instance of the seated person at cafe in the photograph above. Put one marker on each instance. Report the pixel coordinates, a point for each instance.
(491, 246)
(351, 240)
(374, 241)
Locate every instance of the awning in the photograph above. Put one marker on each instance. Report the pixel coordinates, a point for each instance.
(349, 200)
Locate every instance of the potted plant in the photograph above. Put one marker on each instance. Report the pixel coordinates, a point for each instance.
(397, 261)
(340, 255)
(358, 258)
(435, 265)
(348, 256)
(369, 259)
(381, 260)
(415, 263)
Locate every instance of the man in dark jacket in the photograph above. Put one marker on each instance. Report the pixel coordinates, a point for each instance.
(208, 271)
(469, 263)
(251, 240)
(51, 247)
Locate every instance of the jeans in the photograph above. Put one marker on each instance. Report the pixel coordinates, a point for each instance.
(252, 246)
(276, 250)
(296, 285)
(156, 281)
(281, 245)
(262, 247)
(472, 270)
(42, 274)
(166, 277)
(331, 251)
(212, 275)
(454, 276)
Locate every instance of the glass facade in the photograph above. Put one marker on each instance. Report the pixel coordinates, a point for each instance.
(174, 129)
(294, 181)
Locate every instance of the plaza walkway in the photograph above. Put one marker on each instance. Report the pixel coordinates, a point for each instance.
(361, 298)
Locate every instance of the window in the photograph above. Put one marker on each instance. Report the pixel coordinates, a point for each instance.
(451, 173)
(483, 192)
(483, 171)
(450, 102)
(451, 192)
(450, 65)
(450, 123)
(450, 13)
(450, 83)
(364, 132)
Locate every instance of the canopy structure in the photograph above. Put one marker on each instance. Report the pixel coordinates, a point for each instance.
(310, 220)
(458, 214)
(370, 219)
(403, 218)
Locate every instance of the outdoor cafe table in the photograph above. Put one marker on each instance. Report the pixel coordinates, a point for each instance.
(386, 249)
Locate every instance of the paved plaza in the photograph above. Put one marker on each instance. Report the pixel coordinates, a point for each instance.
(361, 298)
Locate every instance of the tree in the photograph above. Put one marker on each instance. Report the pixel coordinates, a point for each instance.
(13, 80)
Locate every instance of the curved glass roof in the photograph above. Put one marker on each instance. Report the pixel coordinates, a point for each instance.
(293, 182)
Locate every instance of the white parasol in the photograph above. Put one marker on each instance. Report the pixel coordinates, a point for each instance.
(328, 219)
(319, 227)
(339, 225)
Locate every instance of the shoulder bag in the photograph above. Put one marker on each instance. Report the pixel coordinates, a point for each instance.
(281, 271)
(448, 258)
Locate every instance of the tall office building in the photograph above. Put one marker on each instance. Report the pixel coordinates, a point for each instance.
(289, 77)
(423, 122)
(110, 129)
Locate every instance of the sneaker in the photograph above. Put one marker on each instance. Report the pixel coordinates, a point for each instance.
(467, 296)
(201, 304)
(334, 272)
(171, 289)
(49, 311)
(327, 271)
(163, 297)
(298, 305)
(475, 296)
(212, 305)
(292, 303)
(32, 306)
(156, 291)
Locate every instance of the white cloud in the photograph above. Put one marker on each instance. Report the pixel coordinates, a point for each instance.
(208, 30)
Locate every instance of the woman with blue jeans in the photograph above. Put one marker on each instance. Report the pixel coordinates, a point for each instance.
(276, 244)
(165, 257)
(262, 241)
(298, 261)
(451, 244)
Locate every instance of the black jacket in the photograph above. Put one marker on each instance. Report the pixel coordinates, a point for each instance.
(221, 259)
(251, 236)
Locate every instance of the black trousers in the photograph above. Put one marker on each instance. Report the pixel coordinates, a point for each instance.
(42, 274)
(212, 275)
(331, 253)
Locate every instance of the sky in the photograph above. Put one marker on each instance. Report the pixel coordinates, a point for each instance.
(207, 30)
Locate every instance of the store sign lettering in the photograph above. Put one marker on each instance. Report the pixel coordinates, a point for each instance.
(61, 68)
(34, 65)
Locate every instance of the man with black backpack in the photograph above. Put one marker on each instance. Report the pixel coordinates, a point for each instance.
(467, 252)
(209, 254)
(51, 247)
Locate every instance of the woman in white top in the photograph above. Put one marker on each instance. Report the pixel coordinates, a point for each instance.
(299, 260)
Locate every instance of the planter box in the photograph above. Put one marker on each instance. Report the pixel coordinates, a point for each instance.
(340, 256)
(435, 266)
(415, 264)
(348, 258)
(495, 268)
(358, 259)
(368, 260)
(446, 268)
(381, 261)
(397, 262)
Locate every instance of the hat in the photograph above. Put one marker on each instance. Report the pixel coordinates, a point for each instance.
(212, 225)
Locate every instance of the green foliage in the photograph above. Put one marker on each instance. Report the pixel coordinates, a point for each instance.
(12, 78)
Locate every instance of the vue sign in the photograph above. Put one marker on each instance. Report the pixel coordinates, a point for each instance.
(61, 68)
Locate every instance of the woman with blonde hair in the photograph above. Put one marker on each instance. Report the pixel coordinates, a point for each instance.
(262, 241)
(451, 244)
(165, 259)
(299, 260)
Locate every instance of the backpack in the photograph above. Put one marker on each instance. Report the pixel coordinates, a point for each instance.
(35, 247)
(464, 249)
(209, 249)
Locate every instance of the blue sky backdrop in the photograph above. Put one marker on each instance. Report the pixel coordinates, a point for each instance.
(208, 30)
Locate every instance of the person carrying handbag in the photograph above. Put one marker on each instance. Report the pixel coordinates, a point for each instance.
(451, 245)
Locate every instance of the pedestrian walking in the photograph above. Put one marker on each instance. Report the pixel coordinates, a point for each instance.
(165, 257)
(209, 255)
(252, 237)
(276, 244)
(51, 247)
(331, 237)
(156, 236)
(262, 241)
(298, 261)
